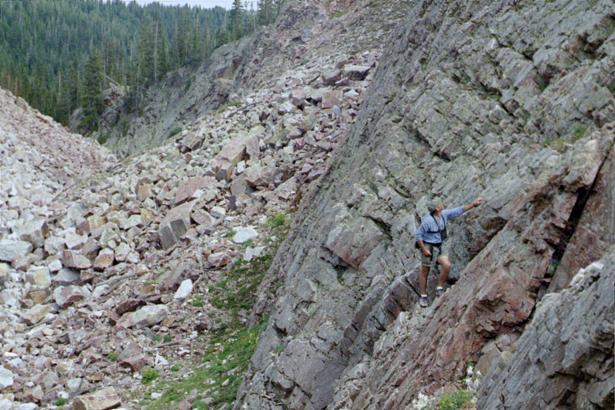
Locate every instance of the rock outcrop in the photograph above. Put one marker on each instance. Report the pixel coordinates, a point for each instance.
(564, 359)
(509, 101)
(357, 123)
(114, 254)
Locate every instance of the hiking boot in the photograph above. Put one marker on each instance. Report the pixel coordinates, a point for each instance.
(423, 301)
(440, 291)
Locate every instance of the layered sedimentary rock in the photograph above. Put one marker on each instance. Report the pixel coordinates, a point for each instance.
(564, 359)
(505, 100)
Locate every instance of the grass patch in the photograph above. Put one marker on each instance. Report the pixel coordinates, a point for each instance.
(228, 104)
(579, 130)
(225, 361)
(455, 400)
(60, 402)
(102, 139)
(229, 233)
(175, 131)
(228, 349)
(197, 301)
(148, 375)
(113, 357)
(558, 144)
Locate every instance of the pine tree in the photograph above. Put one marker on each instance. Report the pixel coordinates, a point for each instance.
(236, 20)
(93, 104)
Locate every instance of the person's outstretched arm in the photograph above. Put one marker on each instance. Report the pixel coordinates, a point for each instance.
(455, 212)
(474, 204)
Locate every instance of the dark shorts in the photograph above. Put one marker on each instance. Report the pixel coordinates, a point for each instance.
(436, 252)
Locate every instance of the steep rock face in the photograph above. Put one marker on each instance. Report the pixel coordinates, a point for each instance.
(471, 98)
(124, 250)
(564, 359)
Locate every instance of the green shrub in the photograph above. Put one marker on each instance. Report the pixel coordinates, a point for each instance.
(175, 131)
(102, 139)
(60, 402)
(197, 301)
(579, 130)
(454, 400)
(113, 357)
(148, 375)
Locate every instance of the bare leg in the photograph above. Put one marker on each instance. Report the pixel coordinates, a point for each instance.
(423, 279)
(446, 268)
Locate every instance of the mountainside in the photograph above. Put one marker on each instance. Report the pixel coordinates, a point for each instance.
(255, 248)
(151, 264)
(309, 38)
(511, 101)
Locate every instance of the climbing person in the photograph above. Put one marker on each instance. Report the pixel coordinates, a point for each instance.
(431, 241)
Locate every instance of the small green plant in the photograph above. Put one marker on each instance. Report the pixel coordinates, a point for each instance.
(454, 400)
(60, 402)
(612, 87)
(277, 221)
(278, 349)
(113, 357)
(102, 139)
(579, 130)
(197, 301)
(148, 375)
(175, 131)
(167, 338)
(228, 104)
(230, 346)
(157, 338)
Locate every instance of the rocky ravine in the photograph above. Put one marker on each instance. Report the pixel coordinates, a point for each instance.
(318, 36)
(100, 259)
(512, 101)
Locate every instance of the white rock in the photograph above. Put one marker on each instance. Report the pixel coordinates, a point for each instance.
(10, 297)
(73, 240)
(6, 378)
(244, 234)
(55, 266)
(184, 290)
(11, 250)
(6, 404)
(252, 253)
(25, 406)
(160, 361)
(218, 212)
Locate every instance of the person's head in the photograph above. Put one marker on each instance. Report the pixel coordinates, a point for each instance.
(435, 206)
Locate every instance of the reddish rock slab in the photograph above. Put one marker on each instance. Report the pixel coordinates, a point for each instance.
(74, 260)
(595, 230)
(175, 224)
(64, 296)
(189, 187)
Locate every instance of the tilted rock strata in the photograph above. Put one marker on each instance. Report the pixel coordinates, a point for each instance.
(470, 99)
(565, 356)
(111, 258)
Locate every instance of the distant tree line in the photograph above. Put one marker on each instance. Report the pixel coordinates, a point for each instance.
(61, 54)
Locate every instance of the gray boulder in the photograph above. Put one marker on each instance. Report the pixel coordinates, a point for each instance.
(11, 250)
